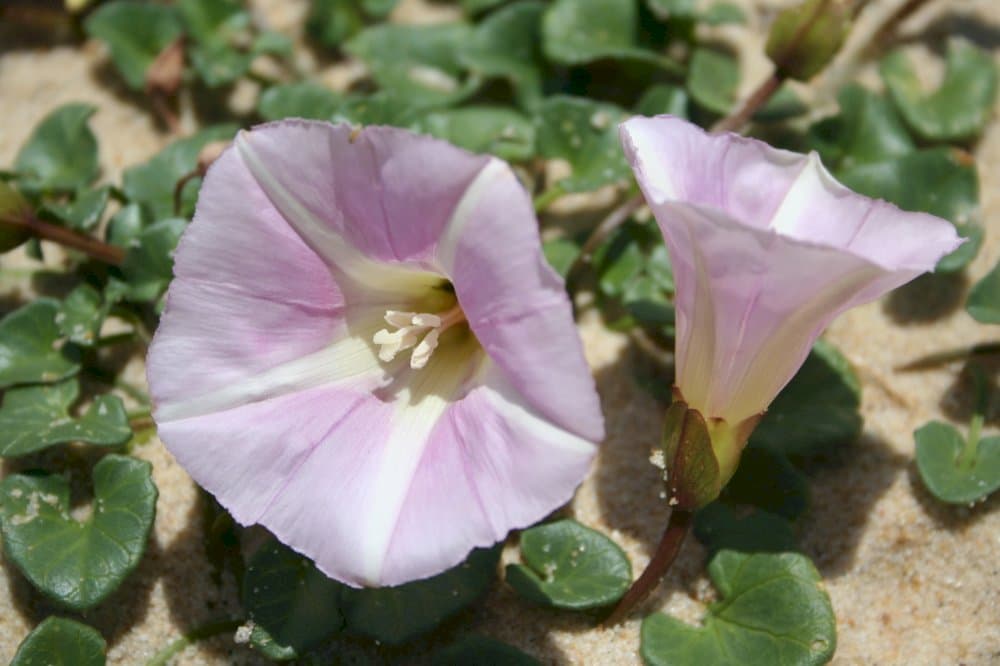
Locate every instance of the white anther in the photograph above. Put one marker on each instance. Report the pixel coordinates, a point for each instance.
(411, 326)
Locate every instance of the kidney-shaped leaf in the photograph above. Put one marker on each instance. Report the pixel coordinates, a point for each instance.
(946, 469)
(61, 153)
(298, 100)
(33, 418)
(58, 641)
(772, 611)
(581, 31)
(29, 346)
(395, 615)
(483, 129)
(135, 33)
(984, 298)
(960, 107)
(79, 564)
(571, 566)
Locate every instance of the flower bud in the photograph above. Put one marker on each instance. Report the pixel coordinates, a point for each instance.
(13, 207)
(805, 38)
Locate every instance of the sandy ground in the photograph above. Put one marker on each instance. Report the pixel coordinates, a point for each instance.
(912, 581)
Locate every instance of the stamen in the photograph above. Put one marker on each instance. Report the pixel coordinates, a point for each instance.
(411, 325)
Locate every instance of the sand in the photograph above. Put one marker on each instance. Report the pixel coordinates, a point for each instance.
(912, 580)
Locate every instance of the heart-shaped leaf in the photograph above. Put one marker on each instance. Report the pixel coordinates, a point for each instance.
(148, 266)
(331, 22)
(507, 44)
(560, 253)
(216, 28)
(713, 80)
(957, 470)
(960, 107)
(663, 99)
(61, 153)
(482, 650)
(58, 641)
(720, 525)
(33, 418)
(298, 100)
(483, 129)
(135, 34)
(939, 181)
(576, 32)
(866, 130)
(126, 225)
(30, 352)
(418, 63)
(381, 108)
(773, 611)
(570, 566)
(82, 314)
(817, 409)
(79, 564)
(585, 134)
(84, 213)
(285, 594)
(766, 480)
(395, 615)
(152, 184)
(984, 298)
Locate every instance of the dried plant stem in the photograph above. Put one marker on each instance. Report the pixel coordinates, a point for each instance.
(670, 545)
(93, 248)
(739, 118)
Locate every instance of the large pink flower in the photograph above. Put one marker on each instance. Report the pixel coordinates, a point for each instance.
(767, 248)
(364, 351)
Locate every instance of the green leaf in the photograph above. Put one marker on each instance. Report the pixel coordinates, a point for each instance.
(418, 63)
(135, 33)
(713, 80)
(33, 418)
(483, 129)
(720, 526)
(152, 184)
(30, 352)
(473, 649)
(84, 213)
(79, 564)
(506, 44)
(218, 64)
(765, 479)
(298, 100)
(956, 470)
(585, 134)
(960, 107)
(290, 598)
(381, 108)
(331, 22)
(217, 27)
(477, 6)
(984, 298)
(570, 566)
(61, 153)
(663, 99)
(575, 32)
(866, 130)
(940, 181)
(81, 316)
(148, 267)
(378, 8)
(58, 641)
(394, 615)
(773, 611)
(561, 253)
(818, 408)
(723, 13)
(125, 225)
(672, 8)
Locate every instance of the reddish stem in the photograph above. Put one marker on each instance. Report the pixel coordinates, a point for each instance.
(670, 545)
(105, 252)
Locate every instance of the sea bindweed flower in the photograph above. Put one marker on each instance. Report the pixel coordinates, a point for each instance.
(364, 351)
(767, 248)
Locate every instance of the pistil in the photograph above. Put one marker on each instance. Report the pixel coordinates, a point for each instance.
(419, 331)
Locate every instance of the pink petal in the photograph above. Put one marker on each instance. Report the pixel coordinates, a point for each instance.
(267, 384)
(767, 248)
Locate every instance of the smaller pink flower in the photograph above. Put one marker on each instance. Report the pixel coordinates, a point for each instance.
(767, 249)
(364, 351)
